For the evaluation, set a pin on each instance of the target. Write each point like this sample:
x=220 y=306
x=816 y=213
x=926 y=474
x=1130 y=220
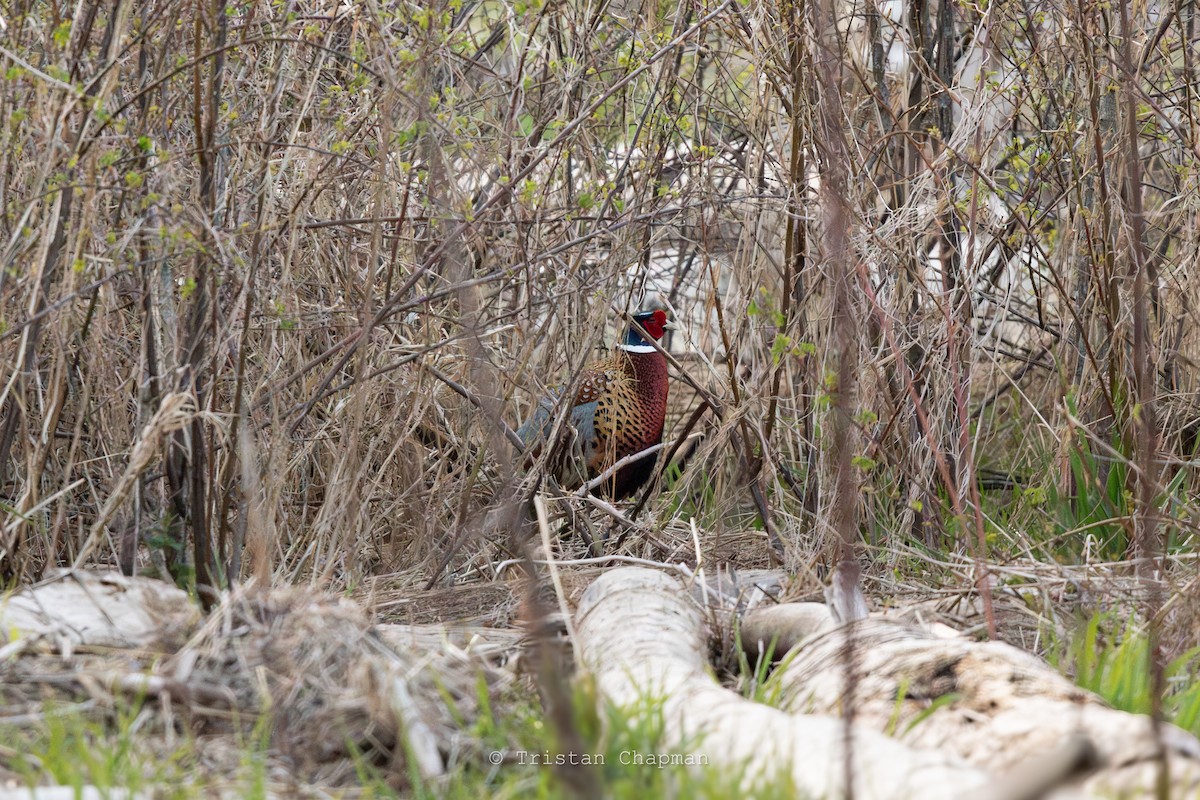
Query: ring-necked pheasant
x=619 y=410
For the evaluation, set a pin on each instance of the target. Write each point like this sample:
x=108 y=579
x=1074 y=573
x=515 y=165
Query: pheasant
x=619 y=410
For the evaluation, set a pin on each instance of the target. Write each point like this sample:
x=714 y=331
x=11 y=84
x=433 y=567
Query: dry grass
x=356 y=242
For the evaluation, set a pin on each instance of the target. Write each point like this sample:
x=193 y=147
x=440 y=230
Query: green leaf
x=62 y=34
x=864 y=463
x=938 y=703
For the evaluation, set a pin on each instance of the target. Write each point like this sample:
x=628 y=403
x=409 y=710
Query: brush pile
x=305 y=671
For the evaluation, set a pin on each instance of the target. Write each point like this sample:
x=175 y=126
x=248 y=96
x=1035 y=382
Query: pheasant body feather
x=618 y=410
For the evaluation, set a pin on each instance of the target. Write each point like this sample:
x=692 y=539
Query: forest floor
x=267 y=695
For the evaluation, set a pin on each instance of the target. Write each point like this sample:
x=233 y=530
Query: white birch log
x=781 y=627
x=994 y=706
x=641 y=637
x=74 y=607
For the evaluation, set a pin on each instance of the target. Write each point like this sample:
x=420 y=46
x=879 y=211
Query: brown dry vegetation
x=279 y=279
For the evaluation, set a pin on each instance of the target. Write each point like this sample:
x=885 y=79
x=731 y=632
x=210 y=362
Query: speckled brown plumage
x=630 y=390
x=619 y=410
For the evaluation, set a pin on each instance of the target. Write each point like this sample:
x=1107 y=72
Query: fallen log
x=988 y=703
x=641 y=637
x=76 y=608
x=781 y=627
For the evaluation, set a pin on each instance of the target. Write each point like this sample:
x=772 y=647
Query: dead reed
x=357 y=240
